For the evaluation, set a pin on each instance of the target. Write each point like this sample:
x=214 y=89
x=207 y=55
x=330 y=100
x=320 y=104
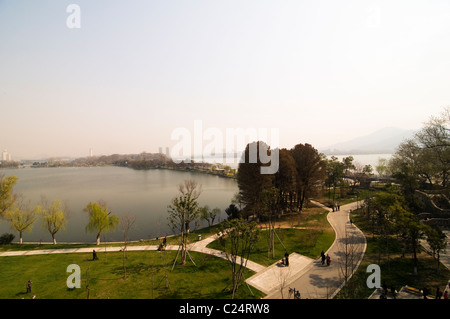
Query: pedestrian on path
x=328 y=260
x=322 y=255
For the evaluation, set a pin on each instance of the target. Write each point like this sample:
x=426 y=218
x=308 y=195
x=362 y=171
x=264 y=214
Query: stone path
x=317 y=281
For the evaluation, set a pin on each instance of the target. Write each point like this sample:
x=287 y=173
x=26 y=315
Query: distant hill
x=383 y=141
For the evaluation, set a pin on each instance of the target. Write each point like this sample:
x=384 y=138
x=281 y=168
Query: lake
x=142 y=193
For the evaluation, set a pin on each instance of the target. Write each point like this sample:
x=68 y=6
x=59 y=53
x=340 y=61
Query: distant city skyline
x=130 y=73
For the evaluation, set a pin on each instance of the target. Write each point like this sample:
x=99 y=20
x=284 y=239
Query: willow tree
x=100 y=221
x=22 y=216
x=54 y=217
x=7 y=198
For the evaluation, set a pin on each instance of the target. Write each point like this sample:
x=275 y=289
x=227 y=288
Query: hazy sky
x=319 y=71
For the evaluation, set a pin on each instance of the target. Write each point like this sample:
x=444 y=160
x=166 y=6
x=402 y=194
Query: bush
x=6 y=239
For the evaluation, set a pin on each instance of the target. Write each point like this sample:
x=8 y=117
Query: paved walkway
x=444 y=256
x=317 y=281
x=306 y=275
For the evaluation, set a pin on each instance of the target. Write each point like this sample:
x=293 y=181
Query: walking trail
x=310 y=277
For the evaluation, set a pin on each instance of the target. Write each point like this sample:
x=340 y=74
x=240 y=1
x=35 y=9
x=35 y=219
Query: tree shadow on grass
x=22 y=293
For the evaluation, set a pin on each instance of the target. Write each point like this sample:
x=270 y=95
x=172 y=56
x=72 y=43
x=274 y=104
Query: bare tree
x=347 y=260
x=126 y=224
x=237 y=240
x=183 y=210
x=283 y=275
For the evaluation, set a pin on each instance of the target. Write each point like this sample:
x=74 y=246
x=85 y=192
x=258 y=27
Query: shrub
x=6 y=239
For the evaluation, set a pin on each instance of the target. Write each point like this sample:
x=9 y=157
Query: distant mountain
x=383 y=141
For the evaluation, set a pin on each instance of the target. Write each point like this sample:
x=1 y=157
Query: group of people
x=326 y=258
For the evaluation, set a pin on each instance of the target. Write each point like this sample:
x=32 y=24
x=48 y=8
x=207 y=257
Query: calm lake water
x=142 y=193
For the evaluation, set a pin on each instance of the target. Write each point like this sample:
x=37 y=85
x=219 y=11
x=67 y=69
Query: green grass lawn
x=211 y=278
x=396 y=271
x=312 y=235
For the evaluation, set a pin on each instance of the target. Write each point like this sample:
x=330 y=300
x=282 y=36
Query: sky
x=318 y=72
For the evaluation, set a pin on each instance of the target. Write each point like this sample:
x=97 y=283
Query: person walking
x=328 y=260
x=29 y=282
x=322 y=255
x=94 y=255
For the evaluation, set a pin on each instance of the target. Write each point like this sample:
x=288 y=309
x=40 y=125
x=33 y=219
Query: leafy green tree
x=310 y=172
x=233 y=212
x=411 y=230
x=22 y=217
x=335 y=174
x=7 y=198
x=100 y=220
x=284 y=179
x=209 y=214
x=250 y=181
x=54 y=217
x=437 y=241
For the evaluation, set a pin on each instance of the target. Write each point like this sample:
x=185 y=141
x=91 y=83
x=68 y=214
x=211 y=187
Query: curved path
x=317 y=281
x=310 y=277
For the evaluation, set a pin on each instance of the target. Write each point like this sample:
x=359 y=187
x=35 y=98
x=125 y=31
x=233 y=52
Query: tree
x=53 y=217
x=7 y=198
x=284 y=179
x=310 y=171
x=382 y=167
x=100 y=221
x=434 y=139
x=126 y=224
x=183 y=210
x=412 y=230
x=335 y=174
x=423 y=161
x=250 y=181
x=270 y=210
x=437 y=241
x=22 y=217
x=209 y=214
x=233 y=212
x=238 y=240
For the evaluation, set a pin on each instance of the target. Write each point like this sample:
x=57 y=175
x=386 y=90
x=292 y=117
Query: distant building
x=160 y=150
x=167 y=152
x=6 y=157
x=91 y=152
